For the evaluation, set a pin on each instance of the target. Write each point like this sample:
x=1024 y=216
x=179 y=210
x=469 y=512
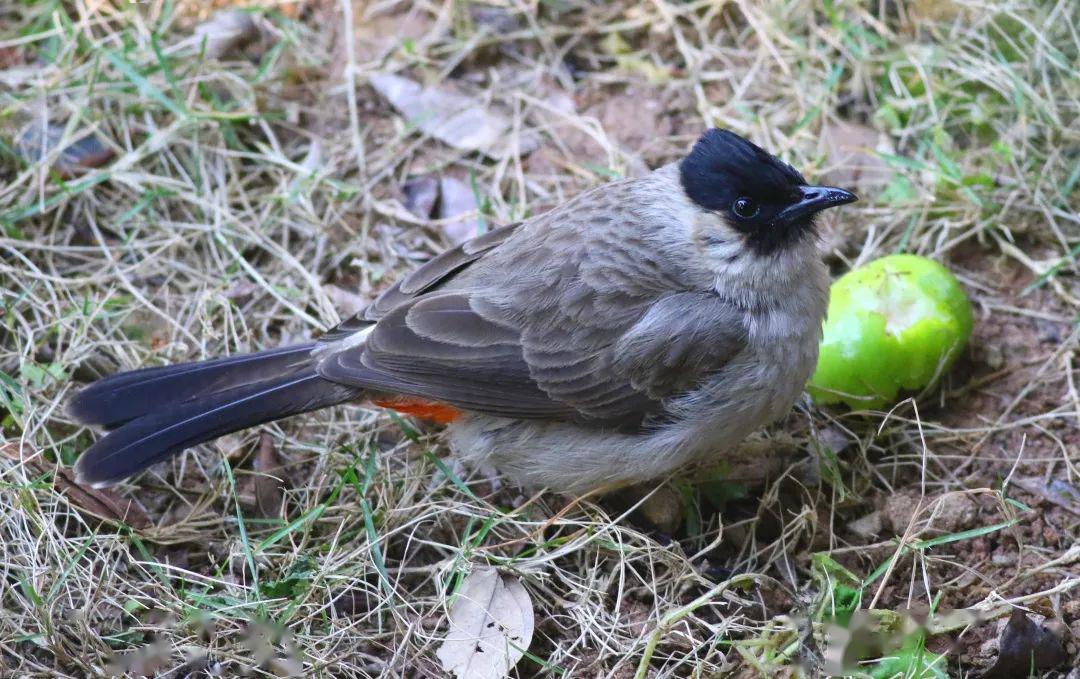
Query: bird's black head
x=761 y=196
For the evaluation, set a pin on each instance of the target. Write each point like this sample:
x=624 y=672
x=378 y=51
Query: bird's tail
x=157 y=412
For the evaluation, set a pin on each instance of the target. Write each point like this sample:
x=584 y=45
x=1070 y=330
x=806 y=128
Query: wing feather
x=549 y=330
x=428 y=277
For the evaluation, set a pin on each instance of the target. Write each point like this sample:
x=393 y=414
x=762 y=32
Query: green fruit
x=897 y=323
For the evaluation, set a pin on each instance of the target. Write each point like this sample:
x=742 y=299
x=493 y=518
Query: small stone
x=868 y=526
x=954 y=512
x=664 y=509
x=900 y=508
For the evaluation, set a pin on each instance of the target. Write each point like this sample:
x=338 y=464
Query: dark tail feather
x=172 y=428
x=112 y=401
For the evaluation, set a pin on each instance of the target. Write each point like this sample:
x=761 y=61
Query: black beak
x=814 y=199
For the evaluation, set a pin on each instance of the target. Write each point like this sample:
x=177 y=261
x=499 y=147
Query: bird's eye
x=745 y=208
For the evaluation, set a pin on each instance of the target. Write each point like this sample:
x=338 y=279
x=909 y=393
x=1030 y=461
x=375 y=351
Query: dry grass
x=241 y=187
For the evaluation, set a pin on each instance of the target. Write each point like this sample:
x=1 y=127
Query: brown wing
x=430 y=276
x=436 y=347
x=561 y=323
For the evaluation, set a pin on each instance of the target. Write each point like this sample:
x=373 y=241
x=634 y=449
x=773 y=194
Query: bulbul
x=643 y=325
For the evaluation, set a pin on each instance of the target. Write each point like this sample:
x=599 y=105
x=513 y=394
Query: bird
x=641 y=326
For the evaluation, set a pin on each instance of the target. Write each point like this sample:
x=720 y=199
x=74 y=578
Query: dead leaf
x=14 y=71
x=313 y=159
x=494 y=20
x=85 y=152
x=347 y=303
x=834 y=439
x=450 y=117
x=421 y=195
x=293 y=9
x=444 y=199
x=456 y=198
x=664 y=508
x=491 y=627
x=351 y=602
x=11 y=56
x=144 y=661
x=853 y=156
x=1054 y=491
x=1027 y=646
x=12 y=450
x=286 y=667
x=269 y=478
x=924 y=12
x=376 y=37
x=241 y=291
x=104 y=503
x=226 y=32
x=18 y=76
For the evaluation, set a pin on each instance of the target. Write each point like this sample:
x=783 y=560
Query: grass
x=241 y=186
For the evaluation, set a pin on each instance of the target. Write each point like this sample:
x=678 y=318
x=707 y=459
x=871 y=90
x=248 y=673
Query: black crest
x=723 y=166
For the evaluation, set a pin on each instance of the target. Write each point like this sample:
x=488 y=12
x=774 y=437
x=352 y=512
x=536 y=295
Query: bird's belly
x=708 y=422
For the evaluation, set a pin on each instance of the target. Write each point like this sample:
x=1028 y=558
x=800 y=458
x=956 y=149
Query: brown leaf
x=452 y=118
x=16 y=77
x=14 y=71
x=491 y=626
x=13 y=450
x=377 y=36
x=226 y=32
x=664 y=508
x=853 y=159
x=104 y=503
x=270 y=485
x=495 y=20
x=240 y=291
x=456 y=198
x=1055 y=491
x=293 y=9
x=286 y=667
x=86 y=152
x=1027 y=646
x=428 y=197
x=421 y=195
x=351 y=602
x=10 y=57
x=924 y=12
x=346 y=302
